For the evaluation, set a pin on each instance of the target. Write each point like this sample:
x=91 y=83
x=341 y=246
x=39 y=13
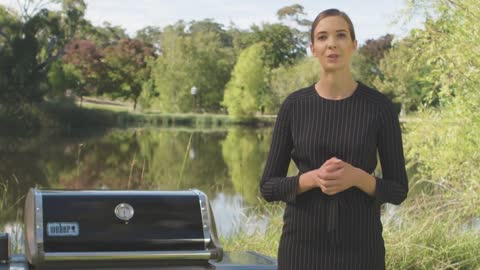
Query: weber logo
x=63 y=229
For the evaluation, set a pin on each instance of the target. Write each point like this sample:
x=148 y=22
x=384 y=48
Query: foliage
x=151 y=35
x=432 y=66
x=85 y=61
x=365 y=63
x=127 y=68
x=241 y=39
x=198 y=53
x=34 y=40
x=297 y=14
x=294 y=12
x=197 y=57
x=103 y=36
x=443 y=146
x=281 y=43
x=210 y=26
x=407 y=73
x=61 y=78
x=246 y=91
x=287 y=79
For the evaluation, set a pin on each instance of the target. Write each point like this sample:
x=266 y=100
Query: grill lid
x=103 y=225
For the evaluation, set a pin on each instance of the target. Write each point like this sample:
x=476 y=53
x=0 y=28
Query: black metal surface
x=167 y=222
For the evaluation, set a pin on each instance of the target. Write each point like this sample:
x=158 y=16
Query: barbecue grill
x=123 y=230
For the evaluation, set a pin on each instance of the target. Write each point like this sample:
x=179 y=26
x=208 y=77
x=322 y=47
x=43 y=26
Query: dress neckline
x=354 y=93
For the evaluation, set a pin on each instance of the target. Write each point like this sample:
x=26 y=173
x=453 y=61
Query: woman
x=333 y=130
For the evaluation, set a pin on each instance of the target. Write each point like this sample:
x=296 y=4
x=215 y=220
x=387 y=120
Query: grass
x=11 y=213
x=425 y=238
x=168 y=119
x=109 y=107
x=6 y=205
x=65 y=116
x=262 y=242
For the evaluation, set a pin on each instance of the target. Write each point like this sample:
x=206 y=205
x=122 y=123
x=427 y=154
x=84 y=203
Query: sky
x=371 y=18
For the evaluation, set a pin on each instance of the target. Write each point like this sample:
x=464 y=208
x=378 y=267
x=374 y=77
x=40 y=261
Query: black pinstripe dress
x=342 y=231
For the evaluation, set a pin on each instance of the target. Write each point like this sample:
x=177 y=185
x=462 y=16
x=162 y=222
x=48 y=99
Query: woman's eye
x=341 y=35
x=322 y=37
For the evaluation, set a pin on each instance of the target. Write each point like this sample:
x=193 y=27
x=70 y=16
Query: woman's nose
x=332 y=43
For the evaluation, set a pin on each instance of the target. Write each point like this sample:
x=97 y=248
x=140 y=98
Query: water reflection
x=472 y=225
x=232 y=216
x=225 y=164
x=245 y=154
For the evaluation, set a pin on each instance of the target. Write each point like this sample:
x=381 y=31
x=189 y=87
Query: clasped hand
x=332 y=177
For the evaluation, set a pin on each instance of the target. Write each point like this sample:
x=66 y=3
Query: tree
x=297 y=14
x=241 y=39
x=200 y=58
x=209 y=26
x=60 y=78
x=294 y=12
x=247 y=87
x=102 y=36
x=441 y=64
x=365 y=63
x=128 y=68
x=282 y=45
x=286 y=79
x=85 y=61
x=170 y=73
x=9 y=29
x=152 y=36
x=34 y=40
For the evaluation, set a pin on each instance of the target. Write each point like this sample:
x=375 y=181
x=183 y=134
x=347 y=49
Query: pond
x=224 y=163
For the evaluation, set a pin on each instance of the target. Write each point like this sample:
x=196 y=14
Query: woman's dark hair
x=328 y=13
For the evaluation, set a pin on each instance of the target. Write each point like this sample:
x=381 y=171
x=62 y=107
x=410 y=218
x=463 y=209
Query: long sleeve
x=393 y=186
x=274 y=185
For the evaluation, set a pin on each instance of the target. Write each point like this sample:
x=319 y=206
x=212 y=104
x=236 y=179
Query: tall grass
x=435 y=232
x=8 y=203
x=426 y=233
x=11 y=213
x=263 y=242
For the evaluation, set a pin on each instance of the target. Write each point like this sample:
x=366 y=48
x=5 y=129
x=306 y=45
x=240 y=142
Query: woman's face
x=332 y=44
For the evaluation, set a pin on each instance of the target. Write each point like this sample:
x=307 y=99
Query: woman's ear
x=312 y=49
x=355 y=44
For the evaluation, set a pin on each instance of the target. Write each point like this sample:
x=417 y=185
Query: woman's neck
x=336 y=85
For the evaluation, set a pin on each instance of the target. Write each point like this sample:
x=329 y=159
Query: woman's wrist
x=365 y=182
x=304 y=183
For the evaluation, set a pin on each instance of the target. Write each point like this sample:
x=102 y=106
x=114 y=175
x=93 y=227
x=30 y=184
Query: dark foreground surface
x=231 y=261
